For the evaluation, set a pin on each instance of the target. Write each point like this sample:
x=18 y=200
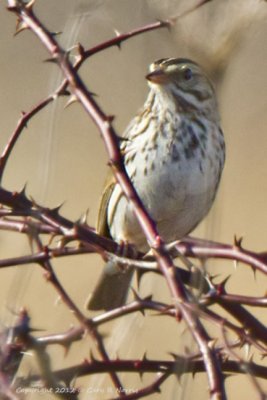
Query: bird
x=174 y=154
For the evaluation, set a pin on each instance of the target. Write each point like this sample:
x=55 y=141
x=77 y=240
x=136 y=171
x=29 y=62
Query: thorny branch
x=104 y=123
x=22 y=215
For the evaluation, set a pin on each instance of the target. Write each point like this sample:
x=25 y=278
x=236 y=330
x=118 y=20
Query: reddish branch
x=56 y=224
x=22 y=215
x=197 y=248
x=182 y=364
x=22 y=123
x=104 y=123
x=62 y=89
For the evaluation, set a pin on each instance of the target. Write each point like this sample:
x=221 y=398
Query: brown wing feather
x=102 y=223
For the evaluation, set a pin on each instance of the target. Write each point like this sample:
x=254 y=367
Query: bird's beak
x=157 y=76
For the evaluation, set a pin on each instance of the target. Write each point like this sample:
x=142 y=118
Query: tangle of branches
x=219 y=357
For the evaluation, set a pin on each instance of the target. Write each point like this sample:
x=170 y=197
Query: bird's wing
x=102 y=223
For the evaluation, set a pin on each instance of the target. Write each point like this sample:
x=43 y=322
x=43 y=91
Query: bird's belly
x=176 y=195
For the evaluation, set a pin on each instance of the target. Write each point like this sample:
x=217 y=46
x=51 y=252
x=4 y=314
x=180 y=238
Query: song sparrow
x=174 y=154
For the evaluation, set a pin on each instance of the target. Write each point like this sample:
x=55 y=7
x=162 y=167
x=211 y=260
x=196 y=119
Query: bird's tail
x=112 y=288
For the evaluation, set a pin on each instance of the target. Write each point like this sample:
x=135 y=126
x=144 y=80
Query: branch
x=104 y=123
x=62 y=88
x=86 y=323
x=203 y=249
x=179 y=366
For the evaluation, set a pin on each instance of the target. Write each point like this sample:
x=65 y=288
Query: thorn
x=55 y=211
x=122 y=139
x=157 y=389
x=30 y=4
x=193 y=373
x=56 y=33
x=83 y=218
x=212 y=343
x=36 y=205
x=22 y=115
x=139 y=275
x=173 y=355
x=140 y=299
x=148 y=298
x=135 y=294
x=211 y=286
x=86 y=361
x=254 y=272
x=178 y=375
x=144 y=358
x=117 y=34
x=63 y=92
x=48 y=277
x=69 y=50
x=16 y=196
x=168 y=23
x=137 y=366
x=235 y=264
x=72 y=99
x=22 y=193
x=220 y=288
x=118 y=44
x=58 y=301
x=180 y=366
x=81 y=50
x=55 y=96
x=51 y=60
x=238 y=241
x=93 y=94
x=137 y=298
x=66 y=347
x=92 y=357
x=110 y=118
x=213 y=277
x=20 y=26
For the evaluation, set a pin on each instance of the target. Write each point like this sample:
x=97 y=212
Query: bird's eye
x=187 y=74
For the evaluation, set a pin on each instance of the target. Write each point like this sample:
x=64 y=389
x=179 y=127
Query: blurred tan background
x=62 y=158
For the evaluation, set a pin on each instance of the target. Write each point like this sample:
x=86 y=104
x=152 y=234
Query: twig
x=22 y=123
